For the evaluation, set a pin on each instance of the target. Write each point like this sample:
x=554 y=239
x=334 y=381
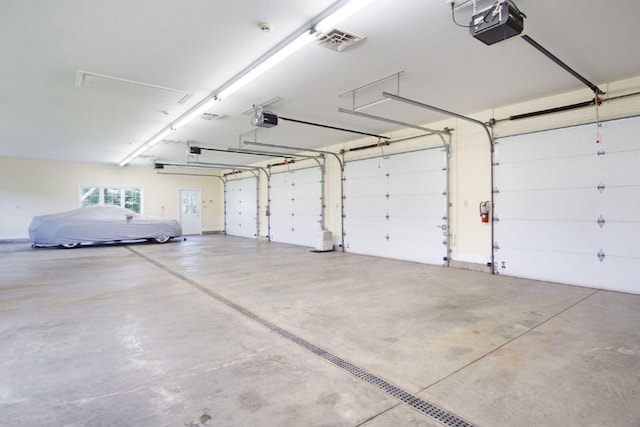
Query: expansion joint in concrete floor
x=443 y=416
x=506 y=343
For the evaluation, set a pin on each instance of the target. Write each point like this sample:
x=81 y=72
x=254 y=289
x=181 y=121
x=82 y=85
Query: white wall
x=31 y=187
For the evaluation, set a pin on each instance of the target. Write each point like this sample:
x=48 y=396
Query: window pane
x=189 y=203
x=89 y=196
x=132 y=199
x=112 y=196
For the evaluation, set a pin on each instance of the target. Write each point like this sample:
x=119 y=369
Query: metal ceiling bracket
x=395 y=122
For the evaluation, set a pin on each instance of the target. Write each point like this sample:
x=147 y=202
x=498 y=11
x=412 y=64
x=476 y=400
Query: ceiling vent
x=139 y=90
x=211 y=116
x=339 y=40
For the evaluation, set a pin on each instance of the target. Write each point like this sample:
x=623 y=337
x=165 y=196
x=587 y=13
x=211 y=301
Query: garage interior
x=415 y=213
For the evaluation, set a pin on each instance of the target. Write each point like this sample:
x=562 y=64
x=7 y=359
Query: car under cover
x=97 y=223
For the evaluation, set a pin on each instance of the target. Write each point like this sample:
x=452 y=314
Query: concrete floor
x=148 y=335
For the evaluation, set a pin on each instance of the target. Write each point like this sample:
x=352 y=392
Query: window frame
x=101 y=192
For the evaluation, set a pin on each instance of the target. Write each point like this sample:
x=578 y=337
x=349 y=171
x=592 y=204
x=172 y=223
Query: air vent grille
x=211 y=116
x=339 y=40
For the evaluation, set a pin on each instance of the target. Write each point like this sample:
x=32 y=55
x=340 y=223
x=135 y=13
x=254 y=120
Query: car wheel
x=162 y=239
x=70 y=245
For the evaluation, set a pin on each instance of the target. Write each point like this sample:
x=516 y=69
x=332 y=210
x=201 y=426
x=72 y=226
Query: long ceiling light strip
x=324 y=22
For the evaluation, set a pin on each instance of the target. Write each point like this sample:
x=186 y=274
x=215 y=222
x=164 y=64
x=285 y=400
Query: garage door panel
x=558 y=236
x=369 y=186
x=578 y=205
x=412 y=250
x=366 y=206
x=374 y=245
x=306 y=176
x=621 y=240
x=616 y=134
x=622 y=168
x=307 y=189
x=416 y=162
x=549 y=267
x=548 y=174
x=621 y=204
x=281 y=234
x=279 y=199
x=365 y=169
x=416 y=229
x=422 y=205
x=362 y=225
x=552 y=144
x=310 y=209
x=433 y=181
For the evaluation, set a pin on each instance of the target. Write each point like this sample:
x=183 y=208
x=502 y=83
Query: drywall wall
x=31 y=187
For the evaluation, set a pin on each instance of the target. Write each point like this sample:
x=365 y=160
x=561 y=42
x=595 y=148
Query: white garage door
x=296 y=206
x=241 y=207
x=396 y=206
x=567 y=206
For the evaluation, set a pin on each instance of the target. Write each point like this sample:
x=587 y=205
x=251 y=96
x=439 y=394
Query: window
x=130 y=198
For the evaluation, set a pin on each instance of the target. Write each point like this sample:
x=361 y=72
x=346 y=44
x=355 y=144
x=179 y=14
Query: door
x=296 y=206
x=190 y=211
x=241 y=207
x=396 y=206
x=567 y=203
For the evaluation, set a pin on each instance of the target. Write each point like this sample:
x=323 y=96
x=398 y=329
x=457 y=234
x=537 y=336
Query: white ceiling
x=196 y=46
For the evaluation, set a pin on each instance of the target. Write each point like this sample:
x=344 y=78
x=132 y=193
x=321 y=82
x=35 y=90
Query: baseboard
x=15 y=241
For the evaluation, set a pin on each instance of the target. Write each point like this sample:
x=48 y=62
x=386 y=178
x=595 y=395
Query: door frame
x=199 y=203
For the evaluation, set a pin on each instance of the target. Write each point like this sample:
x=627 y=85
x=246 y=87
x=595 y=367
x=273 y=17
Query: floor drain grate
x=415 y=402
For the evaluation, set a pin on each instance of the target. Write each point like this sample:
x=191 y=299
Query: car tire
x=70 y=245
x=162 y=239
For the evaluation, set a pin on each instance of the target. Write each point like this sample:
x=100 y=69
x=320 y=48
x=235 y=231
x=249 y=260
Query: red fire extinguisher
x=484 y=211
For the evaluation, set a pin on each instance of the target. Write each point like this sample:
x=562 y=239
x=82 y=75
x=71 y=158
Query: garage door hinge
x=601 y=255
x=387 y=237
x=601 y=153
x=601 y=221
x=601 y=187
x=496 y=246
x=496 y=191
x=387 y=216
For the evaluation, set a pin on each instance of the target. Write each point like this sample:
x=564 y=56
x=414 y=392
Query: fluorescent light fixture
x=346 y=11
x=144 y=147
x=253 y=71
x=267 y=64
x=194 y=113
